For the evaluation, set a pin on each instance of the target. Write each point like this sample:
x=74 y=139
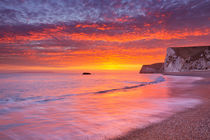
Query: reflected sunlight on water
x=73 y=106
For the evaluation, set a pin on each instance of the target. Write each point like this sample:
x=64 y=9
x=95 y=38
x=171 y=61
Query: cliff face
x=185 y=59
x=153 y=68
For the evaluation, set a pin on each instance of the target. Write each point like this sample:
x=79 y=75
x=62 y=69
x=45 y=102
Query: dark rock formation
x=185 y=59
x=86 y=73
x=153 y=68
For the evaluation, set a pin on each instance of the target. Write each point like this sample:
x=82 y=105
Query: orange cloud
x=127 y=37
x=137 y=34
x=33 y=36
x=95 y=26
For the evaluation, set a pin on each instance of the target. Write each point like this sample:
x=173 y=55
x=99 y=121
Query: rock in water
x=185 y=59
x=86 y=73
x=153 y=68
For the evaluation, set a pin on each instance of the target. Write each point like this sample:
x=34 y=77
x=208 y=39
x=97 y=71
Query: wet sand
x=192 y=124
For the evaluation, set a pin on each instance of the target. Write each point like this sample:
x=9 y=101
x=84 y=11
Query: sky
x=97 y=34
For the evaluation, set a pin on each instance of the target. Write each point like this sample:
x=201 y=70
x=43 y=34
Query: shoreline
x=193 y=123
x=194 y=73
x=183 y=125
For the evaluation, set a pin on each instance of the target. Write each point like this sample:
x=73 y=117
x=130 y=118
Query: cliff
x=153 y=68
x=185 y=59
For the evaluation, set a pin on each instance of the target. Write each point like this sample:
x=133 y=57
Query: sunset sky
x=97 y=34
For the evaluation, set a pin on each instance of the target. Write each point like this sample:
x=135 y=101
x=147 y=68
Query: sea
x=72 y=106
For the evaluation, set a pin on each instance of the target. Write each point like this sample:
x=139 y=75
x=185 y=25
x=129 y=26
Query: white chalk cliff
x=185 y=59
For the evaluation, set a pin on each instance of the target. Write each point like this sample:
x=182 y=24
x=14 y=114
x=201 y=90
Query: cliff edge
x=153 y=68
x=182 y=59
x=186 y=59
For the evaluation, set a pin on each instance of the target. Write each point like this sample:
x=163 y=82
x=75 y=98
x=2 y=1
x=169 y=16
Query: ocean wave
x=157 y=80
x=43 y=99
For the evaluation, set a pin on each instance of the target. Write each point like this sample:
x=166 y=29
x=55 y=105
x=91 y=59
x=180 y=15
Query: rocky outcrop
x=153 y=68
x=185 y=59
x=86 y=73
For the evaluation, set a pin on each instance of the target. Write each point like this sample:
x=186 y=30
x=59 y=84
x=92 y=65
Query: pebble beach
x=191 y=124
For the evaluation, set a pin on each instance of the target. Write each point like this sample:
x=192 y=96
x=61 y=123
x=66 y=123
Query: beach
x=191 y=124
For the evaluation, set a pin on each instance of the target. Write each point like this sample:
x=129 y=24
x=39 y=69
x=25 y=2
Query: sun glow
x=110 y=66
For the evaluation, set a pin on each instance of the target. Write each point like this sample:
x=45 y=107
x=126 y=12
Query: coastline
x=205 y=74
x=193 y=124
